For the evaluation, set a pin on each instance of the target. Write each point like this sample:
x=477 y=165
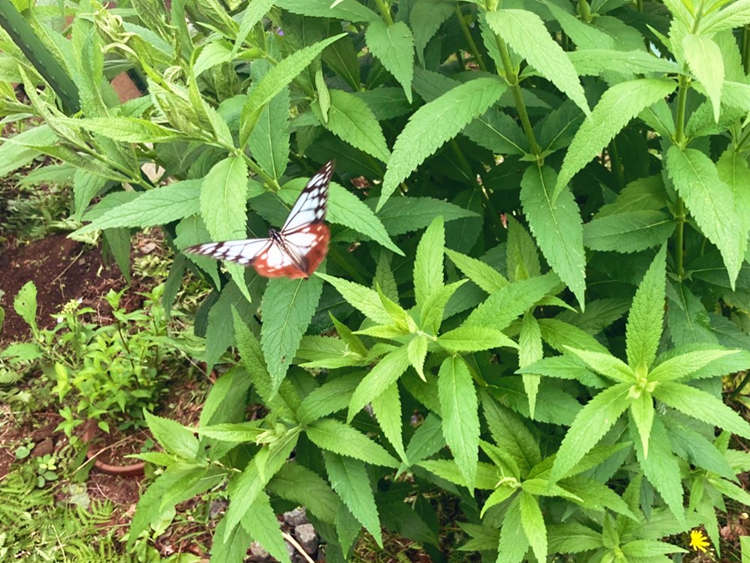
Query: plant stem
x=385 y=11
x=614 y=158
x=512 y=80
x=470 y=40
x=734 y=394
x=680 y=141
x=680 y=238
x=746 y=48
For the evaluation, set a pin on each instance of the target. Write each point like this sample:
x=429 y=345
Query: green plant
x=564 y=362
x=111 y=372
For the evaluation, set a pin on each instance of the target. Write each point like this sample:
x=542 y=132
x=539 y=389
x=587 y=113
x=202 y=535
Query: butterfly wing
x=277 y=262
x=309 y=245
x=311 y=204
x=297 y=250
x=244 y=252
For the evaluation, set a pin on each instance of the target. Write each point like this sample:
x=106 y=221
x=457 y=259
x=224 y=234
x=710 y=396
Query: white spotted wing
x=295 y=251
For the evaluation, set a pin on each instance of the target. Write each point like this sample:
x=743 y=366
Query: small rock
x=296 y=517
x=258 y=553
x=44 y=432
x=216 y=508
x=46 y=446
x=307 y=537
x=292 y=551
x=148 y=248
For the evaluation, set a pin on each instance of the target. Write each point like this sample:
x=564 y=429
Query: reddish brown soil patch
x=61 y=269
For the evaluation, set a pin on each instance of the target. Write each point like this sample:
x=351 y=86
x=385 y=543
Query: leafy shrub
x=110 y=372
x=569 y=352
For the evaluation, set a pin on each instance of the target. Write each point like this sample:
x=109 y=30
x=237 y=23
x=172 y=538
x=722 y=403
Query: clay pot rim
x=132 y=470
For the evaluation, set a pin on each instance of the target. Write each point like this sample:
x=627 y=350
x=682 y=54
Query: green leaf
x=352 y=120
x=513 y=541
x=292 y=304
x=606 y=364
x=227 y=396
x=556 y=227
x=615 y=109
x=564 y=367
x=533 y=525
x=211 y=54
x=349 y=10
x=172 y=436
x=269 y=141
x=661 y=468
x=704 y=58
x=711 y=202
x=734 y=171
x=251 y=483
x=154 y=207
x=646 y=319
x=337 y=437
x=393 y=45
x=260 y=522
x=474 y=339
x=296 y=483
x=683 y=365
x=503 y=306
x=428 y=129
x=360 y=297
x=481 y=273
x=642 y=410
x=16 y=151
x=329 y=398
x=735 y=14
x=275 y=81
x=497 y=132
x=559 y=334
x=345 y=208
x=591 y=423
x=86 y=186
x=223 y=203
x=234 y=548
x=253 y=14
x=426 y=17
x=407 y=214
x=233 y=433
x=510 y=433
x=426 y=441
x=125 y=129
x=428 y=265
x=526 y=33
x=628 y=232
x=701 y=405
x=573 y=537
x=381 y=377
x=24 y=304
x=458 y=401
x=592 y=62
x=521 y=254
x=529 y=351
x=417 y=352
x=387 y=409
x=349 y=479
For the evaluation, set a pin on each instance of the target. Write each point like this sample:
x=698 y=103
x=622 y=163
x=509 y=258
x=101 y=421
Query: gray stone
x=307 y=537
x=292 y=551
x=296 y=517
x=258 y=553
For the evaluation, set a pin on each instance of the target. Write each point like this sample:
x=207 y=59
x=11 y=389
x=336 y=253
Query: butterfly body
x=294 y=251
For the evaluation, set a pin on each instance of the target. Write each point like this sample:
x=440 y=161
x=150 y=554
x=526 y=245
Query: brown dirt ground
x=62 y=269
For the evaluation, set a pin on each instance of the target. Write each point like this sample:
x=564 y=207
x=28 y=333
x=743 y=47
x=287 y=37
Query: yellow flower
x=698 y=541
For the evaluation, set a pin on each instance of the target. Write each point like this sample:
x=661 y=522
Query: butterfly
x=297 y=249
